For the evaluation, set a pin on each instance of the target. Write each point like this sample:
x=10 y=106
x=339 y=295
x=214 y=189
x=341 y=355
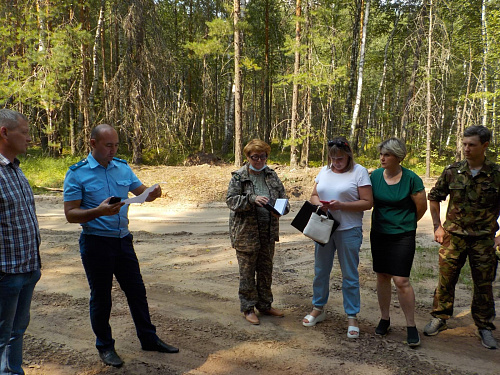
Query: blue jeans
x=103 y=257
x=347 y=244
x=16 y=291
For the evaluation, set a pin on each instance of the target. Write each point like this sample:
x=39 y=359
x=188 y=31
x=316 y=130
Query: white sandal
x=354 y=329
x=312 y=320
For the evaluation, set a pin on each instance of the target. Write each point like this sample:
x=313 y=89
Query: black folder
x=302 y=218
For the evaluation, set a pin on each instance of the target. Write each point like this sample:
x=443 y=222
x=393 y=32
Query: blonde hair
x=256 y=146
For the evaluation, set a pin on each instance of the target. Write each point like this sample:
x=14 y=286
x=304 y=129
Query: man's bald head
x=99 y=130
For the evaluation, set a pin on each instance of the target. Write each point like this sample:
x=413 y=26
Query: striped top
x=19 y=232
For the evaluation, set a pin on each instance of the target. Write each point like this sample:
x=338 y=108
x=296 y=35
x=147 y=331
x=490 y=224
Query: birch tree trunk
x=83 y=127
x=355 y=113
x=295 y=91
x=228 y=115
x=267 y=79
x=95 y=64
x=428 y=97
x=135 y=33
x=304 y=156
x=42 y=50
x=203 y=125
x=354 y=59
x=415 y=69
x=459 y=154
x=373 y=111
x=494 y=113
x=238 y=142
x=484 y=70
x=104 y=75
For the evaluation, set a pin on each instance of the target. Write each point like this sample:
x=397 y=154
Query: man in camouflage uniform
x=253 y=230
x=473 y=185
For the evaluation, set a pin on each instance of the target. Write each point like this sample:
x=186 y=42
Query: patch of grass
x=46 y=173
x=425 y=266
x=466 y=276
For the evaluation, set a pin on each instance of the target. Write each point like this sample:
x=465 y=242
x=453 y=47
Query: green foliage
x=165 y=156
x=45 y=172
x=219 y=32
x=249 y=64
x=179 y=62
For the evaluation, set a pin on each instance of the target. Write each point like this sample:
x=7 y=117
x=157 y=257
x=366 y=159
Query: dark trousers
x=103 y=257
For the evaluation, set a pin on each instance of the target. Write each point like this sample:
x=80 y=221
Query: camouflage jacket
x=243 y=224
x=474 y=203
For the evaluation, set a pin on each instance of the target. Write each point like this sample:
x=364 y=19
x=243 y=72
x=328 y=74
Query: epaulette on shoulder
x=120 y=160
x=81 y=163
x=457 y=164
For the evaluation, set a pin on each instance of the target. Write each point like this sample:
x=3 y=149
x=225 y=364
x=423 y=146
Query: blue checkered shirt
x=19 y=233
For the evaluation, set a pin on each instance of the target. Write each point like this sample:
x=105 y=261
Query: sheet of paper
x=141 y=198
x=280 y=205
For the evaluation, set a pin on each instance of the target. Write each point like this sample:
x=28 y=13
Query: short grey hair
x=394 y=146
x=10 y=119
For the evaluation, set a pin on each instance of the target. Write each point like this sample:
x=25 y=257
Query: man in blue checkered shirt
x=19 y=242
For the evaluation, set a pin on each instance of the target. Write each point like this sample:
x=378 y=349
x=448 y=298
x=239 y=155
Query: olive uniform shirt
x=474 y=203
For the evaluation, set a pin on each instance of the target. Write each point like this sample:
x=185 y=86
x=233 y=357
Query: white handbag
x=319 y=228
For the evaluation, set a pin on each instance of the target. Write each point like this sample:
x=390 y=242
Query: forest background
x=178 y=78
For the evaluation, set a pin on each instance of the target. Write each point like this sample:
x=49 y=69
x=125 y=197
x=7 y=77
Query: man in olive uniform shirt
x=473 y=186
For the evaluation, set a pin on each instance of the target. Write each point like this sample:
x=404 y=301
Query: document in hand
x=277 y=206
x=141 y=198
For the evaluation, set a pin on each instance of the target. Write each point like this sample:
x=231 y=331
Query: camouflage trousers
x=256 y=276
x=483 y=263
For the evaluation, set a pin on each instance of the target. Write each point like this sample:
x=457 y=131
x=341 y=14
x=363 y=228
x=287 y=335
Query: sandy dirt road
x=191 y=276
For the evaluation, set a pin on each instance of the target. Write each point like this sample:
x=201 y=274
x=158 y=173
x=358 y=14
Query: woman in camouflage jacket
x=254 y=230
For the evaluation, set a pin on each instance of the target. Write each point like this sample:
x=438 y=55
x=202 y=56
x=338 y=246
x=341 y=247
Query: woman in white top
x=343 y=188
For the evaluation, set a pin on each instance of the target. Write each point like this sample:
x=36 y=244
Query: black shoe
x=384 y=326
x=413 y=338
x=160 y=346
x=110 y=358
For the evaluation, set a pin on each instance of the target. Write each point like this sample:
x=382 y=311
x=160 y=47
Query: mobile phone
x=324 y=202
x=114 y=200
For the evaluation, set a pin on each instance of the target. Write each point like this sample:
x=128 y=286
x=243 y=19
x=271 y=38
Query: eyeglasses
x=258 y=157
x=339 y=143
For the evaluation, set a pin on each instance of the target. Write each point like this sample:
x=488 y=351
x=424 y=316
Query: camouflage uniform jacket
x=474 y=203
x=243 y=224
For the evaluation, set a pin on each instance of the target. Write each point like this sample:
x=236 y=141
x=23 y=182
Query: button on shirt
x=19 y=233
x=91 y=183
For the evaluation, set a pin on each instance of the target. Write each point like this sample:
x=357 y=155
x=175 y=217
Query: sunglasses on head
x=338 y=143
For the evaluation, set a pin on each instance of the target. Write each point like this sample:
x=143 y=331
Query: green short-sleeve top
x=393 y=209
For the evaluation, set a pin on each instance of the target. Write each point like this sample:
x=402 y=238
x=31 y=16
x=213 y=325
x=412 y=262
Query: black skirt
x=393 y=253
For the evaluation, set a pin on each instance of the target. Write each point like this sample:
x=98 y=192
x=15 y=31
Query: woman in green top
x=399 y=202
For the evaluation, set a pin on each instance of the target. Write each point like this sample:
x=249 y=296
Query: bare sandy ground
x=191 y=276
